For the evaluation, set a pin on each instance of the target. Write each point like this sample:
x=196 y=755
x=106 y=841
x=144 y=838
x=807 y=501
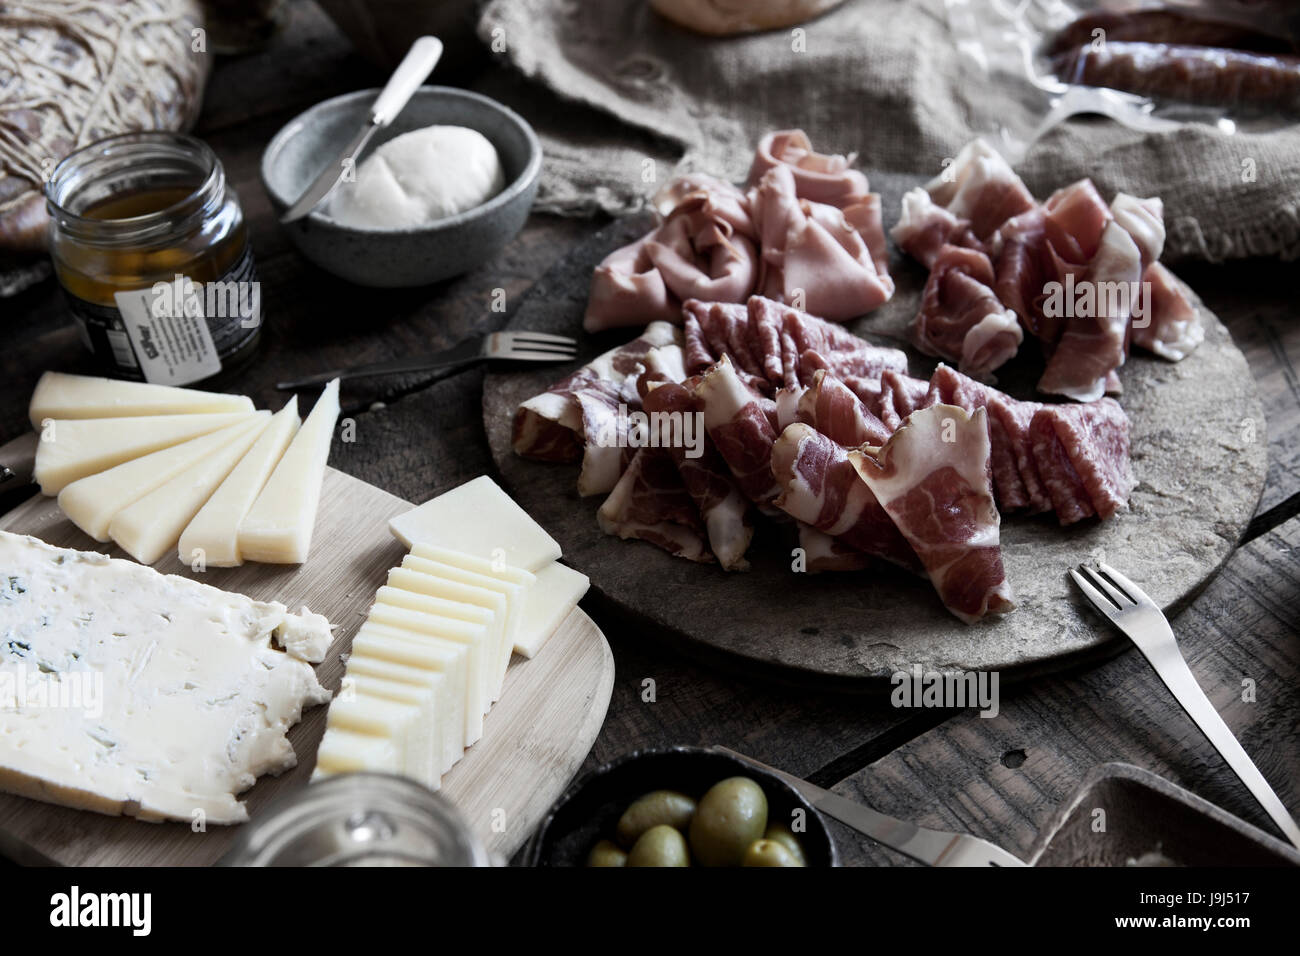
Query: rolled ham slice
x=650 y=503
x=738 y=424
x=818 y=177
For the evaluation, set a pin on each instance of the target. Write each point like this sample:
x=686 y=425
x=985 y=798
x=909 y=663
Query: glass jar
x=150 y=246
x=359 y=819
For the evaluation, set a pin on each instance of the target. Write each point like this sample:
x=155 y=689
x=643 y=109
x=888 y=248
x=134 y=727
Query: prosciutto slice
x=818 y=177
x=932 y=479
x=821 y=552
x=961 y=318
x=924 y=228
x=981 y=188
x=820 y=487
x=1173 y=329
x=650 y=502
x=725 y=511
x=738 y=424
x=832 y=408
x=577 y=417
x=1082 y=454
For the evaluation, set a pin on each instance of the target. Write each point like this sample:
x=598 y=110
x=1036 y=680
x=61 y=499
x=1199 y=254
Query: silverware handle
x=467 y=353
x=1182 y=683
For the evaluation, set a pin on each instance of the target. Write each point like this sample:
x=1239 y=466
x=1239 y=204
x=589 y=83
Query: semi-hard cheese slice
x=450 y=661
x=149 y=527
x=213 y=535
x=343 y=751
x=92 y=502
x=60 y=395
x=470 y=567
x=472 y=636
x=547 y=603
x=429 y=689
x=278 y=527
x=389 y=719
x=423 y=742
x=69 y=450
x=480 y=519
x=131 y=692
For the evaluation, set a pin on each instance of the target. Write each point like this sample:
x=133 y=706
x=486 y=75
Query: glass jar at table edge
x=358 y=819
x=133 y=211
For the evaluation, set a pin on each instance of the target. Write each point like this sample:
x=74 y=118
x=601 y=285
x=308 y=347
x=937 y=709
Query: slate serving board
x=1199 y=455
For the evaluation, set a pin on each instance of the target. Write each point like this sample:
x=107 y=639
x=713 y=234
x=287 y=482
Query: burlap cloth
x=881 y=78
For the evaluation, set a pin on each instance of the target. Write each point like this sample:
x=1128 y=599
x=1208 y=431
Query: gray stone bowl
x=391 y=258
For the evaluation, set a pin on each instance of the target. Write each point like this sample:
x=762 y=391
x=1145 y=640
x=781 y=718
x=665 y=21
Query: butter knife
x=406 y=79
x=931 y=847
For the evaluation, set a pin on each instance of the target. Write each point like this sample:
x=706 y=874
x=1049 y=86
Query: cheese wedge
x=510 y=593
x=444 y=660
x=92 y=502
x=215 y=529
x=424 y=740
x=278 y=527
x=480 y=519
x=472 y=636
x=420 y=587
x=389 y=719
x=69 y=450
x=150 y=526
x=343 y=751
x=60 y=395
x=467 y=567
x=546 y=604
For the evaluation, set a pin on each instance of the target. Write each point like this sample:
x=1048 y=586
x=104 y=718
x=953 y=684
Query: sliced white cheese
x=467 y=567
x=480 y=519
x=509 y=592
x=69 y=450
x=60 y=395
x=92 y=502
x=424 y=740
x=150 y=526
x=390 y=719
x=472 y=636
x=432 y=687
x=213 y=535
x=278 y=527
x=344 y=751
x=440 y=658
x=547 y=603
x=159 y=697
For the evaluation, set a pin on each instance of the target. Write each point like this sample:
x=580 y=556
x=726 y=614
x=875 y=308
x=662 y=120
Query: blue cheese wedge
x=130 y=692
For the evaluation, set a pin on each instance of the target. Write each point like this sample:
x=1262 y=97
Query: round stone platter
x=1198 y=453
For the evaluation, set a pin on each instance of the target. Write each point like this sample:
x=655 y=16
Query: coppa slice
x=407 y=687
x=70 y=450
x=279 y=525
x=480 y=519
x=150 y=526
x=60 y=395
x=215 y=529
x=932 y=477
x=440 y=659
x=547 y=603
x=92 y=502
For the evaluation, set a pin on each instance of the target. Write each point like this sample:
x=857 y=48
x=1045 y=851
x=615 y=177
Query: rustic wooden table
x=998 y=778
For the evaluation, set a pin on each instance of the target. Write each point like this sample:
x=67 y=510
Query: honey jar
x=150 y=246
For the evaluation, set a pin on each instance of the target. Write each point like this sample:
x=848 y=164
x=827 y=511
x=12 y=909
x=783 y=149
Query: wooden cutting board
x=1199 y=455
x=533 y=741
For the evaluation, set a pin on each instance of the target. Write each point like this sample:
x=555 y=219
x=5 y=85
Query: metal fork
x=506 y=346
x=1130 y=610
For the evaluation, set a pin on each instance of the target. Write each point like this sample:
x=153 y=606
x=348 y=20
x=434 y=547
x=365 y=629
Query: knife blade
x=406 y=79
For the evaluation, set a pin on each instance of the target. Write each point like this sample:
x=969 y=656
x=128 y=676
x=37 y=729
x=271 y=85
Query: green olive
x=660 y=846
x=666 y=807
x=782 y=834
x=731 y=816
x=606 y=853
x=769 y=853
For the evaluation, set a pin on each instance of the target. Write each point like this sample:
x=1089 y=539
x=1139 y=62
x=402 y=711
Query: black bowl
x=590 y=808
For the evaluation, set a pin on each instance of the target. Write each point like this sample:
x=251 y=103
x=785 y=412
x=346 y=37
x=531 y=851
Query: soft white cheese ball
x=420 y=177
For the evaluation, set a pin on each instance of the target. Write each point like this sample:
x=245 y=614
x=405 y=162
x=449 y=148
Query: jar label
x=170 y=339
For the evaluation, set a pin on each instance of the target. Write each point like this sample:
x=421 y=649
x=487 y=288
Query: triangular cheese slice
x=92 y=502
x=150 y=526
x=278 y=528
x=69 y=450
x=60 y=395
x=215 y=529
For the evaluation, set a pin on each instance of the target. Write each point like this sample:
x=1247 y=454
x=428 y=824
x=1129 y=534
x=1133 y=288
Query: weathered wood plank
x=1001 y=778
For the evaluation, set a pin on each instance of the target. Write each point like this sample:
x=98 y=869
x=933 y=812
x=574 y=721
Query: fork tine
x=544 y=337
x=1135 y=593
x=1098 y=600
x=527 y=355
x=1115 y=594
x=566 y=350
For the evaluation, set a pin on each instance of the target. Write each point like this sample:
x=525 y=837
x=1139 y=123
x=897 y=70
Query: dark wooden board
x=1199 y=455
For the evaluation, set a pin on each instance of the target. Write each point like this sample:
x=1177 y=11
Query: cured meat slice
x=650 y=503
x=814 y=255
x=932 y=478
x=1173 y=329
x=819 y=177
x=961 y=318
x=982 y=188
x=821 y=552
x=899 y=396
x=715 y=329
x=738 y=423
x=577 y=417
x=832 y=408
x=1082 y=454
x=725 y=511
x=820 y=487
x=924 y=228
